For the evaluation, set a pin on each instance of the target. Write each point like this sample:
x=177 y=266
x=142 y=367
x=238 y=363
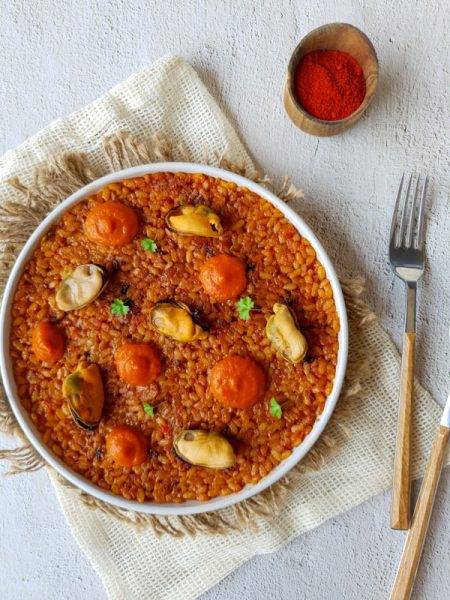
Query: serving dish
x=188 y=507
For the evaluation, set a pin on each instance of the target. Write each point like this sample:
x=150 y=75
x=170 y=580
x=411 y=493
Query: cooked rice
x=282 y=267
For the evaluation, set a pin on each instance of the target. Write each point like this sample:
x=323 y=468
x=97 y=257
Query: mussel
x=194 y=219
x=81 y=287
x=283 y=331
x=83 y=390
x=175 y=320
x=204 y=449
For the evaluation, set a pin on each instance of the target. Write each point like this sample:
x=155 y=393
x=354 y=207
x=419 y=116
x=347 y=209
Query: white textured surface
x=56 y=58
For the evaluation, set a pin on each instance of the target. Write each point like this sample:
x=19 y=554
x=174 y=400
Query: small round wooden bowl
x=334 y=36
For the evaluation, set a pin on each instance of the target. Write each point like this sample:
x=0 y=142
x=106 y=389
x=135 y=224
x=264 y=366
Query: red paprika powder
x=330 y=84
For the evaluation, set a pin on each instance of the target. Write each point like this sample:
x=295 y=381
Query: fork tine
x=401 y=233
x=412 y=214
x=395 y=213
x=421 y=218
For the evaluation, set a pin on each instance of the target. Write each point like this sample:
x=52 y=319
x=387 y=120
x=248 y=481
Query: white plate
x=191 y=507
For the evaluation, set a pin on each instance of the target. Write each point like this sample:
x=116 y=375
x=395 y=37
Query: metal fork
x=407 y=258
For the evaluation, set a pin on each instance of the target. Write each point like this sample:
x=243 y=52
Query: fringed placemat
x=353 y=459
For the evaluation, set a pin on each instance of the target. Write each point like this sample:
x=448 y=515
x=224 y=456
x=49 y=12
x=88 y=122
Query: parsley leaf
x=149 y=245
x=244 y=306
x=150 y=410
x=120 y=307
x=275 y=408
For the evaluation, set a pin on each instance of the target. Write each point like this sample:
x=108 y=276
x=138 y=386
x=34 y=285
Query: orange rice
x=281 y=267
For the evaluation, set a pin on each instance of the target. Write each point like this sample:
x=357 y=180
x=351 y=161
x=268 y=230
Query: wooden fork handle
x=412 y=551
x=401 y=487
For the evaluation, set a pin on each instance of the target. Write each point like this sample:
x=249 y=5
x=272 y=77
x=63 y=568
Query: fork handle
x=412 y=551
x=401 y=489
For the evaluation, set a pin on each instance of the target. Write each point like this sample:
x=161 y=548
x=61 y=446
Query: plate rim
x=189 y=507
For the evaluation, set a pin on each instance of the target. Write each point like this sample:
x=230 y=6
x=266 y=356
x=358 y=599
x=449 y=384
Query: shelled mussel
x=204 y=449
x=175 y=320
x=81 y=287
x=283 y=331
x=194 y=219
x=83 y=390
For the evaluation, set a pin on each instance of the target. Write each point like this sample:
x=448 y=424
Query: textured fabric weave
x=169 y=97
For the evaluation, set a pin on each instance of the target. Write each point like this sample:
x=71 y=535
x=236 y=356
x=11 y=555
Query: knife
x=412 y=551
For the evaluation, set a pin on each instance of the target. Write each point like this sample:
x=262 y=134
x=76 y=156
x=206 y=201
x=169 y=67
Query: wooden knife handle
x=412 y=551
x=401 y=487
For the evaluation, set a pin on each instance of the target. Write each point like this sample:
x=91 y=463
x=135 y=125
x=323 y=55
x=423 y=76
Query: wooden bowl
x=334 y=36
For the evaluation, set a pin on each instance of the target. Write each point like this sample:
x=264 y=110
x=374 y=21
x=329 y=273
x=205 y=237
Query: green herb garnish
x=149 y=409
x=119 y=307
x=149 y=245
x=275 y=409
x=245 y=306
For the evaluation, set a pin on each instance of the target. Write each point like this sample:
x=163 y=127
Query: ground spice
x=330 y=84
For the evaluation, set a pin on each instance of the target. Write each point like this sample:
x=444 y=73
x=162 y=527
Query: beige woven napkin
x=168 y=96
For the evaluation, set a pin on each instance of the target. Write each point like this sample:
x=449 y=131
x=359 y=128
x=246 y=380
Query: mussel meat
x=204 y=449
x=175 y=320
x=194 y=219
x=85 y=396
x=81 y=287
x=283 y=331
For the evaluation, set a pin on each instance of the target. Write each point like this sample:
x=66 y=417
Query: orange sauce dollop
x=111 y=224
x=223 y=277
x=138 y=363
x=237 y=381
x=48 y=342
x=126 y=446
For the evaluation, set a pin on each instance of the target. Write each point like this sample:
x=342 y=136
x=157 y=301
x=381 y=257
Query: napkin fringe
x=55 y=180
